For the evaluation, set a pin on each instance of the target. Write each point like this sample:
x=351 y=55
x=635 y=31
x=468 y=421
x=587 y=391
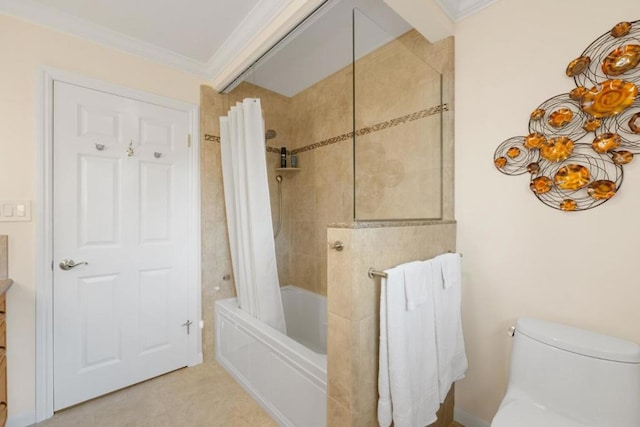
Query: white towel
x=416 y=284
x=451 y=269
x=452 y=358
x=408 y=370
x=385 y=415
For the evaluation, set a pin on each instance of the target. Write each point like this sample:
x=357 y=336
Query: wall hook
x=130 y=149
x=99 y=147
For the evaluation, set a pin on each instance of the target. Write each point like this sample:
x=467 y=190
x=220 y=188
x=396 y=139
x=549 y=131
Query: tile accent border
x=359 y=132
x=375 y=128
x=386 y=224
x=216 y=138
x=274 y=150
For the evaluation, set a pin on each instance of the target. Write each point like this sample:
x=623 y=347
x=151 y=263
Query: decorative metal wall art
x=579 y=141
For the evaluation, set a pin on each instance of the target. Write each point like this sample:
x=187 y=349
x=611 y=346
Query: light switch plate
x=15 y=210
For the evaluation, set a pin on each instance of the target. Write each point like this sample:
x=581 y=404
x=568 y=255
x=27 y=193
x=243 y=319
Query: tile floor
x=202 y=396
x=205 y=395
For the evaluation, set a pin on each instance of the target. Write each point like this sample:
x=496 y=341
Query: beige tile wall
x=400 y=163
x=395 y=80
x=322 y=193
x=397 y=165
x=353 y=310
x=216 y=260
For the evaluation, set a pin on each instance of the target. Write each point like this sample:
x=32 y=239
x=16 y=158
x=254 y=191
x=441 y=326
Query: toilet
x=563 y=376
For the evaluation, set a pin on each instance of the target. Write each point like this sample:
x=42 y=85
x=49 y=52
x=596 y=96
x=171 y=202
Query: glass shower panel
x=397 y=124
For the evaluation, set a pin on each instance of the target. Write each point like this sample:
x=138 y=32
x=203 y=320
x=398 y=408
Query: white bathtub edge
x=303 y=363
x=467 y=419
x=314 y=364
x=275 y=414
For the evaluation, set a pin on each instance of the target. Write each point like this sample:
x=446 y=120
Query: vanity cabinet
x=3 y=359
x=5 y=284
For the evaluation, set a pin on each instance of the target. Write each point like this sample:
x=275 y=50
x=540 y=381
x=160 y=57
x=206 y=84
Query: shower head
x=270 y=134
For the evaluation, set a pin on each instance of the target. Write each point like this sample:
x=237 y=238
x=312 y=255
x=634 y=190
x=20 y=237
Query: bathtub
x=286 y=375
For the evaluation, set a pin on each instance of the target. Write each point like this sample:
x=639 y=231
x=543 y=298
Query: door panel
x=94 y=121
x=156 y=132
x=100 y=337
x=121 y=204
x=154 y=304
x=155 y=203
x=100 y=195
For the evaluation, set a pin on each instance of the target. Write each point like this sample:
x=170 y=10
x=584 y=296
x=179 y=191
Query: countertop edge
x=5 y=284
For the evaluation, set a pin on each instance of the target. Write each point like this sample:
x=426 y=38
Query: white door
x=120 y=197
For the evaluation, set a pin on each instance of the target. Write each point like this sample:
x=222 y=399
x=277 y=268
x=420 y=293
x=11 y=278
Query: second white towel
x=408 y=370
x=447 y=300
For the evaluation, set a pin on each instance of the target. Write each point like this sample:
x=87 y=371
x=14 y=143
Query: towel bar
x=373 y=273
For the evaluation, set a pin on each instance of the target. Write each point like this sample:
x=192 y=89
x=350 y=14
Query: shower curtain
x=246 y=194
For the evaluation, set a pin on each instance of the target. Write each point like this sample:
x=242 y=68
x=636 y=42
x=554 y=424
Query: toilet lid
x=522 y=413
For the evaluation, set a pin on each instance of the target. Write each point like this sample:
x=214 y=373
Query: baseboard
x=21 y=420
x=468 y=420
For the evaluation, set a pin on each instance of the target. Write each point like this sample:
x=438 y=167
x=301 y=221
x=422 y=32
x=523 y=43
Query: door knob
x=68 y=264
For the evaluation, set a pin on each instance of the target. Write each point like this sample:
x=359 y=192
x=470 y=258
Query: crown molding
x=457 y=11
x=450 y=7
x=266 y=23
x=426 y=16
x=262 y=28
x=46 y=16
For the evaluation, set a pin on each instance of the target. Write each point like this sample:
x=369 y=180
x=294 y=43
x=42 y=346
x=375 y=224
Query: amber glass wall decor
x=579 y=141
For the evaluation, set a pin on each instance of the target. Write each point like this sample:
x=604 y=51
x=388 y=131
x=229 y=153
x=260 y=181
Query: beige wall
x=24 y=47
x=522 y=258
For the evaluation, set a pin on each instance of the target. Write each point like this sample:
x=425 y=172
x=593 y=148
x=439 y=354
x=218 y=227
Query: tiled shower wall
x=322 y=192
x=316 y=125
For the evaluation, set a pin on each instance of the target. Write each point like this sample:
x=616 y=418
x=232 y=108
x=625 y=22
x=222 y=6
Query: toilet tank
x=588 y=377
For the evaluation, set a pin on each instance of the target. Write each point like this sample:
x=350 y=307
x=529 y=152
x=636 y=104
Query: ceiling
x=195 y=32
x=324 y=45
x=203 y=37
